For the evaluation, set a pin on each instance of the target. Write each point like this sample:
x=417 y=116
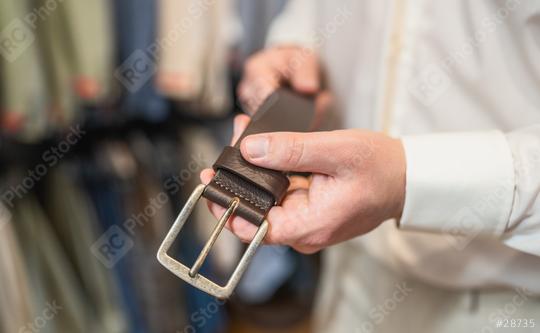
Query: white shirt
x=459 y=81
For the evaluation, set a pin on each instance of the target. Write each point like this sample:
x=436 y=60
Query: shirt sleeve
x=474 y=183
x=295 y=25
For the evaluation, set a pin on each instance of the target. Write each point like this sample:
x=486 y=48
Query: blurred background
x=109 y=109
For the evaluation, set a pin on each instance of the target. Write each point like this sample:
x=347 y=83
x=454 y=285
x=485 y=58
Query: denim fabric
x=135 y=28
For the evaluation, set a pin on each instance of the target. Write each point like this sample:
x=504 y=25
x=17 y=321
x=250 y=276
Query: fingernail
x=256 y=146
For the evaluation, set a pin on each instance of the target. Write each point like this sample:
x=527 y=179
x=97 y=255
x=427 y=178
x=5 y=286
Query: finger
x=206 y=176
x=298 y=182
x=323 y=103
x=240 y=227
x=256 y=85
x=289 y=151
x=306 y=249
x=287 y=224
x=243 y=229
x=253 y=95
x=240 y=123
x=284 y=225
x=304 y=68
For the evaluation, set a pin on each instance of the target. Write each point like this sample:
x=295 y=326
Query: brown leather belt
x=246 y=190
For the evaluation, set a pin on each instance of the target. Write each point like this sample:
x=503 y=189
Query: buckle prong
x=213 y=237
x=191 y=275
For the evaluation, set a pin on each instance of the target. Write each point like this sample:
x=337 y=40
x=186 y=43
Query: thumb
x=291 y=151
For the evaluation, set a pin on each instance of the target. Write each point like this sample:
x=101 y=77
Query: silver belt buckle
x=191 y=275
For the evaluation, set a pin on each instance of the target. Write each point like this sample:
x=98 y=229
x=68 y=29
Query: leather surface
x=274 y=182
x=258 y=188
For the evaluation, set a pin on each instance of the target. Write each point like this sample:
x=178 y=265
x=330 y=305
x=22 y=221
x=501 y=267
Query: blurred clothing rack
x=85 y=151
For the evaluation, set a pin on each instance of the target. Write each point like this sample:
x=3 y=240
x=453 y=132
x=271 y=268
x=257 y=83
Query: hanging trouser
x=75 y=221
x=54 y=283
x=22 y=87
x=15 y=295
x=135 y=27
x=193 y=41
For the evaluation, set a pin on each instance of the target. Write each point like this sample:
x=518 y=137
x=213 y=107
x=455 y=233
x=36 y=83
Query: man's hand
x=274 y=67
x=358 y=182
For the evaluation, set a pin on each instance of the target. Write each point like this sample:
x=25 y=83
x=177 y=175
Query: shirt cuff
x=458 y=183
